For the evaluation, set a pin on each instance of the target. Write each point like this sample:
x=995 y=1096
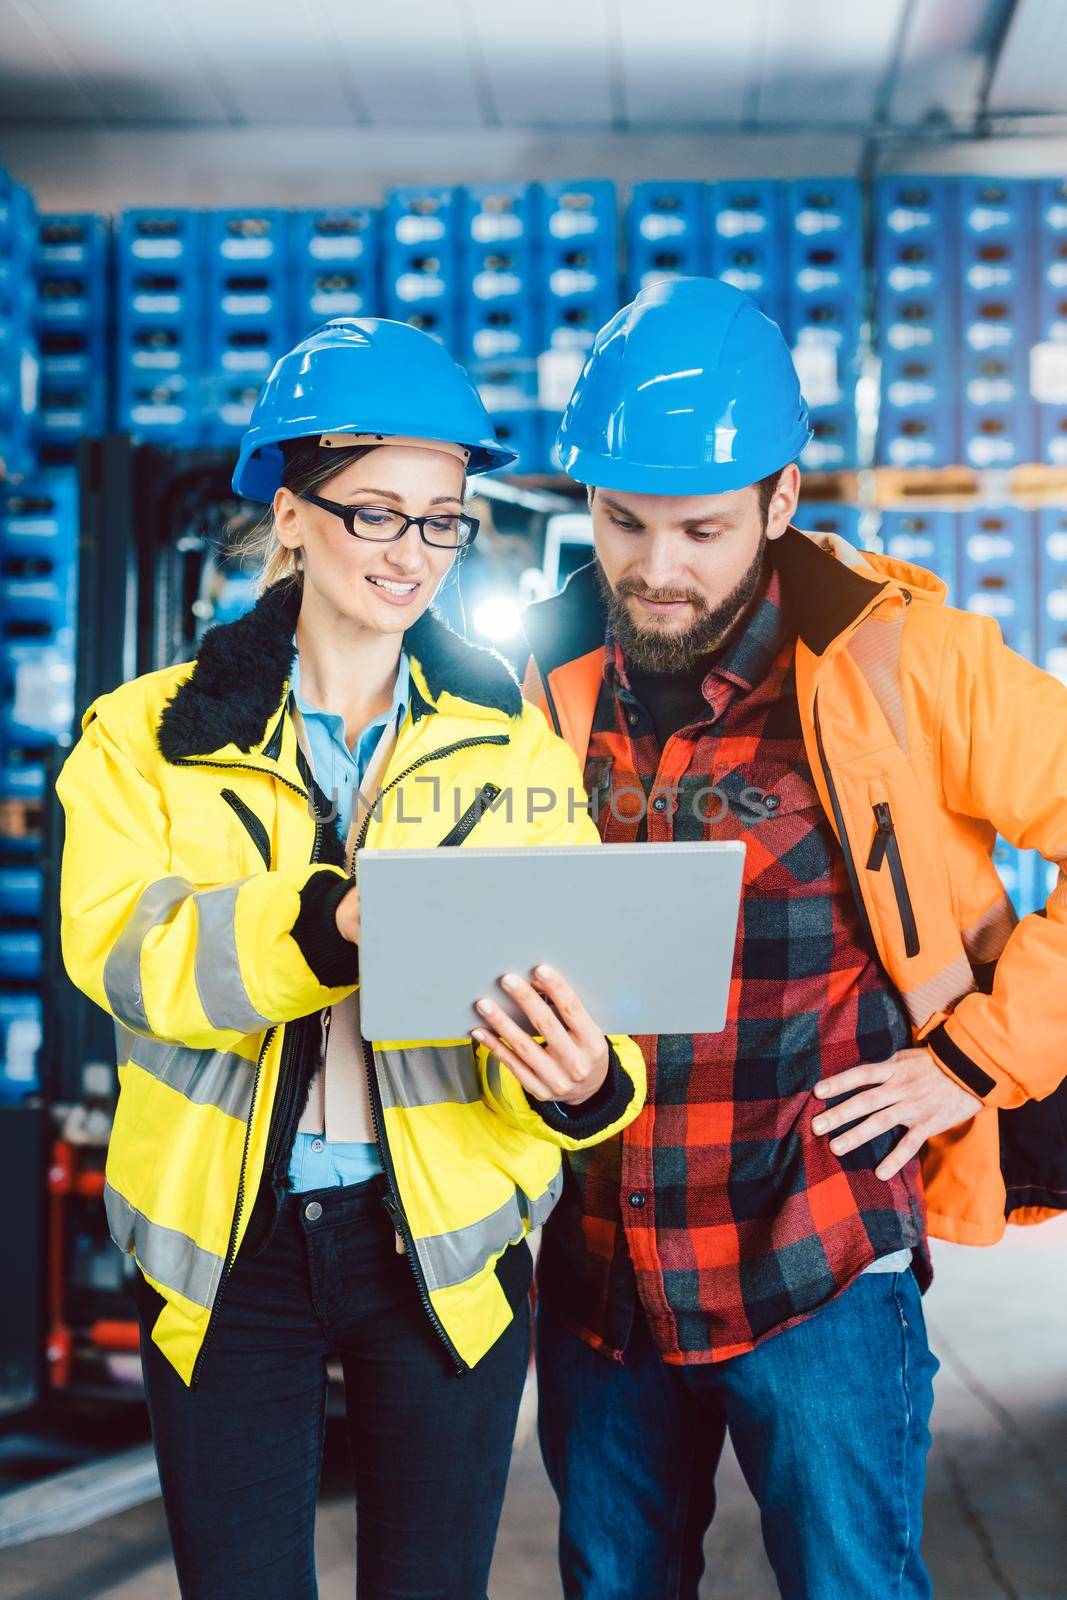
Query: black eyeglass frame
x=347 y=515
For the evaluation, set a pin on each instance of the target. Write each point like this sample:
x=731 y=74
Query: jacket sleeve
x=199 y=964
x=555 y=812
x=1002 y=756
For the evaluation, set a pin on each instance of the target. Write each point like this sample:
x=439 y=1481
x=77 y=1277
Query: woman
x=290 y=1194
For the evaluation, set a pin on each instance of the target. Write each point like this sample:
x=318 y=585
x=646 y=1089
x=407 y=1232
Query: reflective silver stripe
x=170 y=1257
x=986 y=938
x=940 y=991
x=122 y=970
x=451 y=1258
x=429 y=1075
x=216 y=966
x=875 y=648
x=216 y=1078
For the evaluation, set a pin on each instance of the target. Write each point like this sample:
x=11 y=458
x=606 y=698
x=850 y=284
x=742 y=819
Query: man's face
x=678 y=571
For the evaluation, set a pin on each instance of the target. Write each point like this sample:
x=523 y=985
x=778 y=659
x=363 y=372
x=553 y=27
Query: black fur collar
x=241 y=669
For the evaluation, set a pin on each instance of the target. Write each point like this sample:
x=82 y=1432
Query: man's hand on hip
x=908 y=1091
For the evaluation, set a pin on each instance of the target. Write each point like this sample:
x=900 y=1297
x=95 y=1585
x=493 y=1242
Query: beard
x=666 y=649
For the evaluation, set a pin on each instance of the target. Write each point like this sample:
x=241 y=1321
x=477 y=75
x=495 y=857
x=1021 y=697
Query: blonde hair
x=308 y=467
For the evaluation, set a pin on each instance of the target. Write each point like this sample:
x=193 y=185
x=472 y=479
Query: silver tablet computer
x=644 y=932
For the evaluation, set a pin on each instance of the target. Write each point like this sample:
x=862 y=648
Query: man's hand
x=572 y=1063
x=346 y=916
x=909 y=1090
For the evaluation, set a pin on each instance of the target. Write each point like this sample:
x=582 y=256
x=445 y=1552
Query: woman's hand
x=346 y=915
x=908 y=1091
x=572 y=1063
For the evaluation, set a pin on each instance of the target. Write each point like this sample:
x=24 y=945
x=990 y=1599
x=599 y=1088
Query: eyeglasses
x=380 y=525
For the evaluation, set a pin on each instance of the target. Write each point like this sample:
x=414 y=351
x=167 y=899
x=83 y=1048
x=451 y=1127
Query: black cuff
x=596 y=1113
x=332 y=958
x=956 y=1060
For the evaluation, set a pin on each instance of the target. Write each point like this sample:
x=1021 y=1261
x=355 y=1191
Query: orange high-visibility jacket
x=909 y=702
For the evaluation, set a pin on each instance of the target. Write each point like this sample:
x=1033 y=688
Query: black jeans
x=240 y=1456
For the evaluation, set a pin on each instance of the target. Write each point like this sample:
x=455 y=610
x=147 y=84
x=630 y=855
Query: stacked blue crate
x=1052 y=591
x=1048 y=363
x=498 y=317
x=828 y=516
x=73 y=270
x=915 y=313
x=996 y=321
x=579 y=288
x=246 y=314
x=19 y=366
x=159 y=326
x=419 y=260
x=38 y=575
x=824 y=311
x=997 y=573
x=666 y=233
x=333 y=267
x=925 y=537
x=746 y=240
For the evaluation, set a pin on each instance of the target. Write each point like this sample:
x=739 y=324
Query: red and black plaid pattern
x=719 y=1208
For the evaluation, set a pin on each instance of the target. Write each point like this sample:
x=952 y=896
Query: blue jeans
x=829 y=1421
x=239 y=1456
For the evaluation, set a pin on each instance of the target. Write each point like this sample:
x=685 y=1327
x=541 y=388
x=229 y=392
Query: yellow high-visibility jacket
x=198 y=908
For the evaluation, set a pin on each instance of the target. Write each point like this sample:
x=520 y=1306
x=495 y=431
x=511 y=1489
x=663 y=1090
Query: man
x=749 y=1256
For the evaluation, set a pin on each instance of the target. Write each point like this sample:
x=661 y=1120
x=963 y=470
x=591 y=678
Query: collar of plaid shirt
x=719 y=1210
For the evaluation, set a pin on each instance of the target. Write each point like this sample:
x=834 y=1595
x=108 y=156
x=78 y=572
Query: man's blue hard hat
x=688 y=390
x=365 y=376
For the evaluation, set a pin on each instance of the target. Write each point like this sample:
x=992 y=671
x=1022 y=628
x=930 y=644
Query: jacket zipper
x=842 y=834
x=472 y=816
x=252 y=823
x=285 y=1092
x=886 y=847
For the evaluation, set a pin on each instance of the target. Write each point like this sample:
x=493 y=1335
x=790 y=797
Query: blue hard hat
x=364 y=375
x=688 y=390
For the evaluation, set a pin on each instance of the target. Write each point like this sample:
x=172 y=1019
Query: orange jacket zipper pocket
x=885 y=850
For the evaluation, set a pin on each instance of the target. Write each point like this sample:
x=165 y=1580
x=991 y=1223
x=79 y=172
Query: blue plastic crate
x=334 y=266
x=20 y=955
x=159 y=269
x=994 y=436
x=827 y=516
x=1052 y=591
x=997 y=571
x=77 y=354
x=74 y=241
x=501 y=330
x=994 y=208
x=579 y=211
x=69 y=409
x=159 y=296
x=20 y=891
x=578 y=269
x=419 y=217
x=39 y=519
x=339 y=291
x=496 y=216
x=548 y=423
x=245 y=238
x=924 y=538
x=833 y=446
x=519 y=431
x=666 y=232
x=18 y=218
x=166 y=408
x=20 y=1043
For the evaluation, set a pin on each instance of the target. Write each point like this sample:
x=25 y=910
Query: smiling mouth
x=389 y=586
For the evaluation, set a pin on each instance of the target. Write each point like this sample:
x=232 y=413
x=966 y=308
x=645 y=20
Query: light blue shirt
x=339 y=771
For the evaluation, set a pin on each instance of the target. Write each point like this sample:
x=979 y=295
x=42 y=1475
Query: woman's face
x=385 y=587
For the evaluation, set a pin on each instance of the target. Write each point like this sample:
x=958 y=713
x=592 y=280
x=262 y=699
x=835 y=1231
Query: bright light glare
x=498 y=619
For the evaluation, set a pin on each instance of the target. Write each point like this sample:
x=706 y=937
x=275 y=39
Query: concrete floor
x=996 y=1509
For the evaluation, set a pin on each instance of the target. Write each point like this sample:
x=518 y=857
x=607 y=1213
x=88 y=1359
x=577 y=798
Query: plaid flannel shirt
x=719 y=1209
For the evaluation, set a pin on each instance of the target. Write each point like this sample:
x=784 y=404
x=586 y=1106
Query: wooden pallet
x=1031 y=484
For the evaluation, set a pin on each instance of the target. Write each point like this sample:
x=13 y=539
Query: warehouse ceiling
x=869 y=67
